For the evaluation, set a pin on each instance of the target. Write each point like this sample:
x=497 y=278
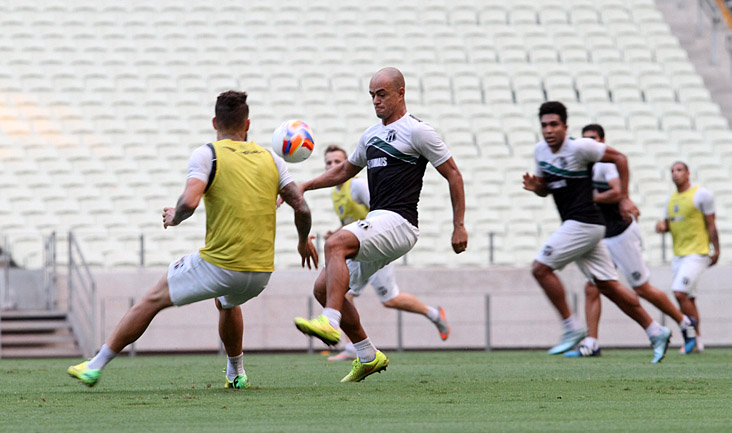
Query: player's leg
x=340 y=246
x=231 y=331
x=349 y=351
x=597 y=265
x=686 y=273
x=593 y=308
x=128 y=330
x=688 y=307
x=552 y=287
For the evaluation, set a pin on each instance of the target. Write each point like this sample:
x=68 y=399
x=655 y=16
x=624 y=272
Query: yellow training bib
x=345 y=206
x=686 y=224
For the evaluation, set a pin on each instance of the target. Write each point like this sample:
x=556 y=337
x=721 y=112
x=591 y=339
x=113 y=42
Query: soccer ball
x=293 y=141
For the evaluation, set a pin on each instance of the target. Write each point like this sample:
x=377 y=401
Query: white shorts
x=580 y=243
x=686 y=272
x=382 y=281
x=192 y=279
x=626 y=250
x=383 y=237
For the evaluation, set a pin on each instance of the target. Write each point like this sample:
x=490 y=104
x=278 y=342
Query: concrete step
x=32 y=315
x=18 y=326
x=37 y=339
x=40 y=352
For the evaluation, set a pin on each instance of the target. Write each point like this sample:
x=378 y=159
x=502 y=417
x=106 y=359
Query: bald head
x=387 y=94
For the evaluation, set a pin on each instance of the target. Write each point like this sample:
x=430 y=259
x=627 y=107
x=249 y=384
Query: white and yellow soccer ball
x=293 y=141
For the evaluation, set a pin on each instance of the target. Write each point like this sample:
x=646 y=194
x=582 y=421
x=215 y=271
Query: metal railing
x=50 y=274
x=82 y=299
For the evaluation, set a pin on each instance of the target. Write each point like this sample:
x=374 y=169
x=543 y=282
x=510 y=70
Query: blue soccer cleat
x=583 y=352
x=689 y=334
x=660 y=344
x=569 y=340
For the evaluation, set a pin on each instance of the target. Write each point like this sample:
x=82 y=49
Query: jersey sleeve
x=285 y=176
x=358 y=157
x=590 y=150
x=538 y=172
x=360 y=191
x=429 y=144
x=608 y=171
x=199 y=164
x=704 y=201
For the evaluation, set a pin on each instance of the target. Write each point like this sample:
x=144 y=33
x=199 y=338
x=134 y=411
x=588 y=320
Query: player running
x=623 y=241
x=563 y=169
x=690 y=217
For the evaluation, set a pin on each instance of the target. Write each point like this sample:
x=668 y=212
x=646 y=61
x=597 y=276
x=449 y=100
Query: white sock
x=102 y=358
x=234 y=366
x=685 y=322
x=570 y=324
x=653 y=330
x=433 y=314
x=365 y=350
x=591 y=343
x=334 y=317
x=350 y=348
x=699 y=344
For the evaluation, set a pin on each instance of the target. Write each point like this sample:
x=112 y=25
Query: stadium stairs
x=37 y=334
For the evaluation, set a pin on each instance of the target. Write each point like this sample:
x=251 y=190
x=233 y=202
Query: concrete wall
x=520 y=315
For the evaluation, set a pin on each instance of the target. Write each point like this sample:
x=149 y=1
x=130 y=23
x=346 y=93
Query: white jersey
x=568 y=174
x=200 y=165
x=396 y=156
x=602 y=174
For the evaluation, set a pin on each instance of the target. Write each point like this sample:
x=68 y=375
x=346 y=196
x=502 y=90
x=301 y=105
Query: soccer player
x=690 y=217
x=623 y=241
x=351 y=203
x=563 y=169
x=239 y=182
x=396 y=152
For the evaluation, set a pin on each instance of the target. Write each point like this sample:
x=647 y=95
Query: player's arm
x=626 y=205
x=187 y=203
x=449 y=171
x=335 y=176
x=709 y=221
x=536 y=184
x=610 y=196
x=291 y=194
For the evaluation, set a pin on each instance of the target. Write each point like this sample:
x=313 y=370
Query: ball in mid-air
x=293 y=141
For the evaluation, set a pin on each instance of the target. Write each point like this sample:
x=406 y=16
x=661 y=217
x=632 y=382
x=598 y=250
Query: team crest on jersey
x=390 y=136
x=676 y=208
x=562 y=162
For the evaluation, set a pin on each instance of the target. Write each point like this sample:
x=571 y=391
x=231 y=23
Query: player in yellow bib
x=351 y=203
x=239 y=182
x=690 y=217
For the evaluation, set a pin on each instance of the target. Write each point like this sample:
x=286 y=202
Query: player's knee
x=644 y=290
x=681 y=296
x=591 y=291
x=540 y=270
x=391 y=303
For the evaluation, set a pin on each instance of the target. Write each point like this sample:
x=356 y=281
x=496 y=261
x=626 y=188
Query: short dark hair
x=682 y=163
x=334 y=148
x=595 y=128
x=553 y=107
x=232 y=110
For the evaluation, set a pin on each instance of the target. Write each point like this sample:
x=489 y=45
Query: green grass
x=420 y=392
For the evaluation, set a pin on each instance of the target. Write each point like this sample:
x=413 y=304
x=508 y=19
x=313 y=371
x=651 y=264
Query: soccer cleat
x=345 y=355
x=360 y=370
x=689 y=334
x=569 y=340
x=442 y=326
x=88 y=376
x=583 y=352
x=319 y=327
x=660 y=344
x=241 y=381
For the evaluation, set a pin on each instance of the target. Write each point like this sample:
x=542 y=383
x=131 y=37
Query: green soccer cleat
x=362 y=369
x=240 y=382
x=319 y=327
x=88 y=376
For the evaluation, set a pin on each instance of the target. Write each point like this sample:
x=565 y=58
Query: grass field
x=420 y=392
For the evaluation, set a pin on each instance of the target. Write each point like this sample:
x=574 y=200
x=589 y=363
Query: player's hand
x=459 y=239
x=279 y=202
x=168 y=217
x=308 y=251
x=628 y=209
x=327 y=234
x=661 y=227
x=713 y=258
x=531 y=182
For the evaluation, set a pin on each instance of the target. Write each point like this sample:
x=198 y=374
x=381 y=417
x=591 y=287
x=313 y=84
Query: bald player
x=396 y=152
